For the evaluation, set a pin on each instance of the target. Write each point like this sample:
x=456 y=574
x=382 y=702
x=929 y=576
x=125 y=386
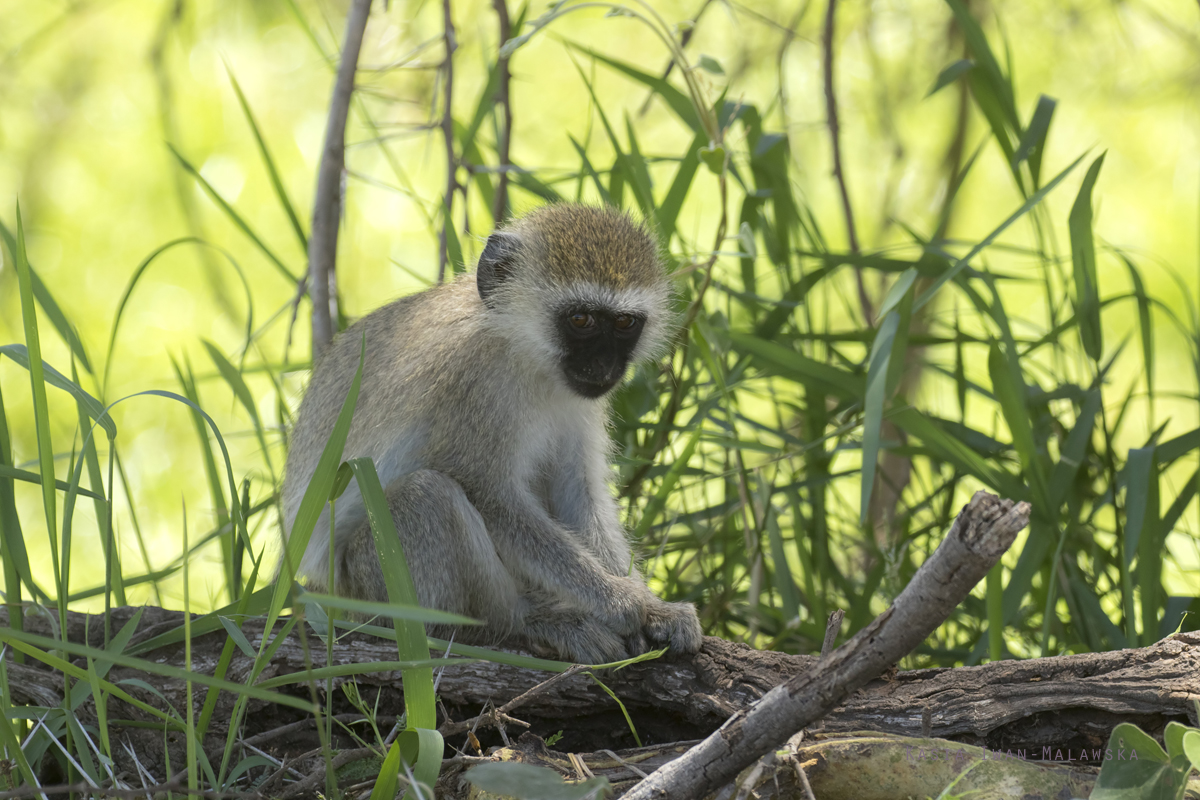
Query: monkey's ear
x=496 y=263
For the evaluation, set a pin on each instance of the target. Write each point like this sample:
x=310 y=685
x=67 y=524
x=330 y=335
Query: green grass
x=788 y=458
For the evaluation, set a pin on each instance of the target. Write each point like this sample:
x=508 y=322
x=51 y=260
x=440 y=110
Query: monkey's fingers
x=675 y=625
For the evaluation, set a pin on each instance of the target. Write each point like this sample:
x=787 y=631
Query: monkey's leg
x=449 y=553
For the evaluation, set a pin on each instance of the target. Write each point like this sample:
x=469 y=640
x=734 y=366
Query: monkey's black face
x=598 y=344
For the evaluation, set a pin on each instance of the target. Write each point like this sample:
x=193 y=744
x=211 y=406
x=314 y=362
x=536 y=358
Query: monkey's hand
x=673 y=624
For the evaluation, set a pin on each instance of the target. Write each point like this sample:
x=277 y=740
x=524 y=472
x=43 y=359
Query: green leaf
x=358 y=668
x=40 y=647
x=419 y=700
x=514 y=779
x=385 y=784
x=1191 y=747
x=1072 y=454
x=1145 y=327
x=315 y=494
x=668 y=210
x=949 y=75
x=1026 y=207
x=953 y=450
x=19 y=353
x=235 y=633
x=710 y=65
x=676 y=100
x=1083 y=257
x=341 y=481
x=1033 y=141
x=32 y=477
x=591 y=171
x=799 y=367
x=422 y=749
x=713 y=156
x=1010 y=391
x=877 y=372
x=1139 y=769
x=54 y=313
x=1140 y=472
x=659 y=501
x=1173 y=738
x=41 y=409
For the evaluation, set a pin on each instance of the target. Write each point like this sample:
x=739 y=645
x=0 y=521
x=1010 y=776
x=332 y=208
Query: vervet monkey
x=483 y=406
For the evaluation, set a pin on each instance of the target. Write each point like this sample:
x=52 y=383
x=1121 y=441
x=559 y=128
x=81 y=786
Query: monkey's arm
x=544 y=555
x=547 y=558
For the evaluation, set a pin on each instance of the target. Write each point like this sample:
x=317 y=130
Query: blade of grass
x=315 y=495
x=41 y=414
x=420 y=739
x=234 y=217
x=1142 y=535
x=961 y=264
x=136 y=278
x=1083 y=257
x=13 y=473
x=1033 y=141
x=265 y=153
x=39 y=647
x=21 y=355
x=51 y=308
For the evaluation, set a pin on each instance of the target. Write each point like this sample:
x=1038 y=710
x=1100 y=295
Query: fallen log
x=1039 y=706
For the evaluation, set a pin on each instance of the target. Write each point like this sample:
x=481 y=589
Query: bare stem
x=831 y=116
x=500 y=206
x=327 y=206
x=447 y=137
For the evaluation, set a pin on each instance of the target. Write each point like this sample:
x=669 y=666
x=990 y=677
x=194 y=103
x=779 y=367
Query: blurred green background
x=95 y=95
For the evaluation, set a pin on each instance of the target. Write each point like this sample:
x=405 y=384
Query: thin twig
x=448 y=138
x=327 y=205
x=683 y=42
x=309 y=785
x=452 y=728
x=832 y=626
x=831 y=117
x=504 y=101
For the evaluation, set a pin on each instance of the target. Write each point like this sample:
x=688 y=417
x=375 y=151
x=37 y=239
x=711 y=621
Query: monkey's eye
x=625 y=322
x=582 y=320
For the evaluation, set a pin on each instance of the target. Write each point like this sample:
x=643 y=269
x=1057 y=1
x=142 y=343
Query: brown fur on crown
x=577 y=242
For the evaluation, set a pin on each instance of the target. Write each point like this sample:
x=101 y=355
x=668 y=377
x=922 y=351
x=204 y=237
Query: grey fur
x=495 y=471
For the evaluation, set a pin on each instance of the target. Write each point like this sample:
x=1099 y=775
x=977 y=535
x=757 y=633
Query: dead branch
x=327 y=205
x=981 y=533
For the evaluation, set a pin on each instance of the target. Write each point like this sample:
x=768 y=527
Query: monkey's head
x=582 y=288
